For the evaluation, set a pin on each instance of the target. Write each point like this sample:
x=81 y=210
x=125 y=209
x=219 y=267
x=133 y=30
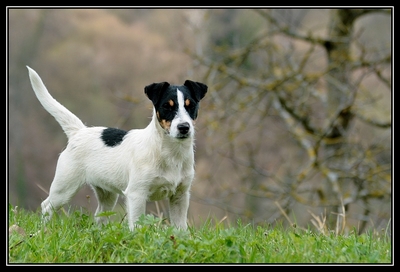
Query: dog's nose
x=183 y=128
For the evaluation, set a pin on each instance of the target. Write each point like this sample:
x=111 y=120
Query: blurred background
x=295 y=129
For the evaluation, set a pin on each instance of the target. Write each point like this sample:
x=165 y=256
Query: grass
x=77 y=239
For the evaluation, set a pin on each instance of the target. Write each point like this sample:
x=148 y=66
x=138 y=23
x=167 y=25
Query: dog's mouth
x=179 y=136
x=182 y=137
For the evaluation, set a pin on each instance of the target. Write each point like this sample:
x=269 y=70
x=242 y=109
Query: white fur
x=181 y=117
x=148 y=165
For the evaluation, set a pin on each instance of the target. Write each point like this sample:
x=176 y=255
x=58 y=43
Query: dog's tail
x=68 y=121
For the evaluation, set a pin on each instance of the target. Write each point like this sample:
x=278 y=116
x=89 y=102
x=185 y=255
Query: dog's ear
x=197 y=89
x=154 y=90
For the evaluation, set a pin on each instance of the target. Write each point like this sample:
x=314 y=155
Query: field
x=76 y=238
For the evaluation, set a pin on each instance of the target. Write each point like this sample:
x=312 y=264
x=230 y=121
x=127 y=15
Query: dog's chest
x=173 y=179
x=162 y=188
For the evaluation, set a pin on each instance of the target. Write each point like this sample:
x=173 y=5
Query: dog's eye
x=190 y=107
x=167 y=106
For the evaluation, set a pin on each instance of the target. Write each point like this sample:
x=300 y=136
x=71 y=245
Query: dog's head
x=176 y=107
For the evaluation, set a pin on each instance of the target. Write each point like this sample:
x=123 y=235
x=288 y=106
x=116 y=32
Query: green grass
x=77 y=239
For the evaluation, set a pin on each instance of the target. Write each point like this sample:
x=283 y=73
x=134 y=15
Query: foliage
x=77 y=239
x=300 y=116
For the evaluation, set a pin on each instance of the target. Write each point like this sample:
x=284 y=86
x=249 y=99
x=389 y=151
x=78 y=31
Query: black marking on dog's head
x=113 y=136
x=165 y=100
x=197 y=89
x=154 y=91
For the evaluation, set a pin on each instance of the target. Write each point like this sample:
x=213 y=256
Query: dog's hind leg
x=67 y=181
x=106 y=202
x=59 y=195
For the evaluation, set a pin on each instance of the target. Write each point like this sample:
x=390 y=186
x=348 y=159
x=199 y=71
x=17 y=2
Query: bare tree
x=287 y=121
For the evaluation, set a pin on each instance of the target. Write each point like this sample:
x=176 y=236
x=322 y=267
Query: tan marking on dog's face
x=166 y=125
x=187 y=102
x=171 y=103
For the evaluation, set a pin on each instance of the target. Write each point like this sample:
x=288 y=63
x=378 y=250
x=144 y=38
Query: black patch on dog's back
x=113 y=136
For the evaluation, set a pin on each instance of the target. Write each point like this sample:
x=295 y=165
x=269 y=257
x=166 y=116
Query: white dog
x=148 y=164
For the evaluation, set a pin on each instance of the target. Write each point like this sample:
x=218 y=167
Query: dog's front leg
x=136 y=205
x=179 y=205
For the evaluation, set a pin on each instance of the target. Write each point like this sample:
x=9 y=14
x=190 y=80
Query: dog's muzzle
x=183 y=129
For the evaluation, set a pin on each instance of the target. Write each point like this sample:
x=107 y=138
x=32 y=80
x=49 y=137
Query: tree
x=287 y=119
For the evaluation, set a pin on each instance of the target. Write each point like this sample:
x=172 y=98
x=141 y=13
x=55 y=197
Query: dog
x=148 y=164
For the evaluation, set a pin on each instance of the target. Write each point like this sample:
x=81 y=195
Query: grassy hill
x=76 y=238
